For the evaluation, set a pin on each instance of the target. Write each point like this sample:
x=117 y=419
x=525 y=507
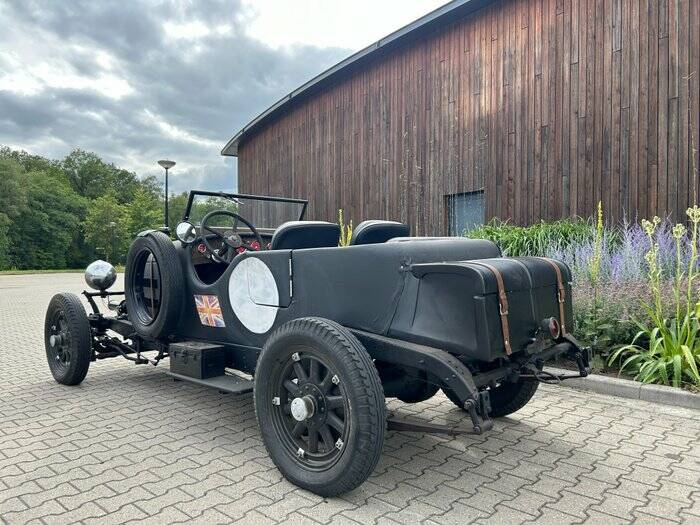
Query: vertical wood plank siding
x=547 y=105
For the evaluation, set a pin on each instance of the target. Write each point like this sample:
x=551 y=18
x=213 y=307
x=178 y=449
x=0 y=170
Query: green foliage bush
x=538 y=239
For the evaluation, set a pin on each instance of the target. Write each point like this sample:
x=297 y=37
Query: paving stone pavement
x=129 y=444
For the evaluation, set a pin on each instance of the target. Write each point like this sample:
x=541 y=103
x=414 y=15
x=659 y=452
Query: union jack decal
x=209 y=310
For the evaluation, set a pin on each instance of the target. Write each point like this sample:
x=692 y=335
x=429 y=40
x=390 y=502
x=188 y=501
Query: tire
x=404 y=383
x=507 y=397
x=416 y=392
x=342 y=387
x=67 y=339
x=154 y=311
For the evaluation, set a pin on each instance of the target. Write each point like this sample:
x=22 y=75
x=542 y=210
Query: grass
x=120 y=269
x=28 y=272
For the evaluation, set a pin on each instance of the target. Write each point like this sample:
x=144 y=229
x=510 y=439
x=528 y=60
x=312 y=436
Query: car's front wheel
x=67 y=339
x=320 y=406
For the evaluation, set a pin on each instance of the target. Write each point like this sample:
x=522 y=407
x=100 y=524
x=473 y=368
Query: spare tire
x=154 y=285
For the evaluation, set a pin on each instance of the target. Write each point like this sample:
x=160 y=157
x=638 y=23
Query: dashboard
x=201 y=254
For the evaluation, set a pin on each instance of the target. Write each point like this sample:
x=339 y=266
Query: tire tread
x=172 y=284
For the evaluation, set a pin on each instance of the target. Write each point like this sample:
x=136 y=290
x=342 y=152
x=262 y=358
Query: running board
x=231 y=384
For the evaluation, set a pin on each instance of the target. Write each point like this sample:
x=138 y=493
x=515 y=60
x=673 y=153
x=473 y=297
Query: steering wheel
x=231 y=242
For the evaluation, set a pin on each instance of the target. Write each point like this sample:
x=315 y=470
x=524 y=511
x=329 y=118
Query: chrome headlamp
x=100 y=275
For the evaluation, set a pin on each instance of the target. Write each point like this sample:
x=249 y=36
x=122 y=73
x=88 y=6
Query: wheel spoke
x=334 y=402
x=291 y=387
x=299 y=429
x=314 y=371
x=313 y=440
x=327 y=438
x=327 y=382
x=335 y=422
x=300 y=372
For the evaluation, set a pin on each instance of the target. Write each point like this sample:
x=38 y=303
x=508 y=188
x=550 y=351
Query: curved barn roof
x=442 y=15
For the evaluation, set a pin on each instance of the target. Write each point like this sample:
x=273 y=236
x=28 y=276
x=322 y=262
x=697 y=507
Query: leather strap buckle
x=561 y=292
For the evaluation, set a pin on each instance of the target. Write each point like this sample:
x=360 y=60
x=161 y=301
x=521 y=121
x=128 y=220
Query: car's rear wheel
x=67 y=339
x=416 y=392
x=154 y=285
x=506 y=398
x=320 y=406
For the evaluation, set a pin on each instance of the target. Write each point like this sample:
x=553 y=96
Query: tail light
x=552 y=327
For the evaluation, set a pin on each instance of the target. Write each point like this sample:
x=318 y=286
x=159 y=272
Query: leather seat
x=297 y=235
x=377 y=231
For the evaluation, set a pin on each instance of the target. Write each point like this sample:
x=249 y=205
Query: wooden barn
x=517 y=109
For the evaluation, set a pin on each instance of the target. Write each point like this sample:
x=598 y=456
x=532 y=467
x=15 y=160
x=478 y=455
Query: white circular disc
x=253 y=293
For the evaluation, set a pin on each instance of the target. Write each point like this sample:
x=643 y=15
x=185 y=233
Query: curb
x=612 y=386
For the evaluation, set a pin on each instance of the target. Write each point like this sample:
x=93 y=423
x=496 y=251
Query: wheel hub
x=57 y=340
x=302 y=408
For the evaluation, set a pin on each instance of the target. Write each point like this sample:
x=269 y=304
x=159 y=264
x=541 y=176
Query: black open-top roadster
x=326 y=332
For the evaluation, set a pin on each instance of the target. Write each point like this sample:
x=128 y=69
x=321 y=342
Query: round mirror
x=100 y=275
x=186 y=232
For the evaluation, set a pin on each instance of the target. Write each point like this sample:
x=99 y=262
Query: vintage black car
x=253 y=298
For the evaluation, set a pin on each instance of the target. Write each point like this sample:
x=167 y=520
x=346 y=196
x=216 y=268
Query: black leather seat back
x=297 y=235
x=376 y=231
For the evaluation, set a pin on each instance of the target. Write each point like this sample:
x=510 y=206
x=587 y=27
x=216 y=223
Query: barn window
x=464 y=211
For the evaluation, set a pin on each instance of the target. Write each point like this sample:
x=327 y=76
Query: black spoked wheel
x=313 y=405
x=67 y=339
x=320 y=406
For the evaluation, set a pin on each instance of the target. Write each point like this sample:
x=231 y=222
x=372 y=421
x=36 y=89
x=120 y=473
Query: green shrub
x=606 y=320
x=538 y=240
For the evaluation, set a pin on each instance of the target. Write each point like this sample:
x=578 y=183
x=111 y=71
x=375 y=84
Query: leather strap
x=561 y=293
x=502 y=303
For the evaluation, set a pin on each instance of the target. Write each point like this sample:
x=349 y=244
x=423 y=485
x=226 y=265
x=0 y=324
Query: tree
x=13 y=201
x=177 y=204
x=58 y=213
x=34 y=163
x=47 y=227
x=91 y=177
x=5 y=224
x=145 y=212
x=107 y=228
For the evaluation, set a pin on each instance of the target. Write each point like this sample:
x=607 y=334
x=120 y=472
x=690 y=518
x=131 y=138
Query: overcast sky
x=136 y=81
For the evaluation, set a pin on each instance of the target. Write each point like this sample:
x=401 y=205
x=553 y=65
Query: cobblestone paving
x=130 y=444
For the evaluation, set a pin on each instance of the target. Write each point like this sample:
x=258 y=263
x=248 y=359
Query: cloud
x=141 y=80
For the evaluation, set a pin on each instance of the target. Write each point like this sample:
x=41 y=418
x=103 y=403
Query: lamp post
x=167 y=164
x=113 y=227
